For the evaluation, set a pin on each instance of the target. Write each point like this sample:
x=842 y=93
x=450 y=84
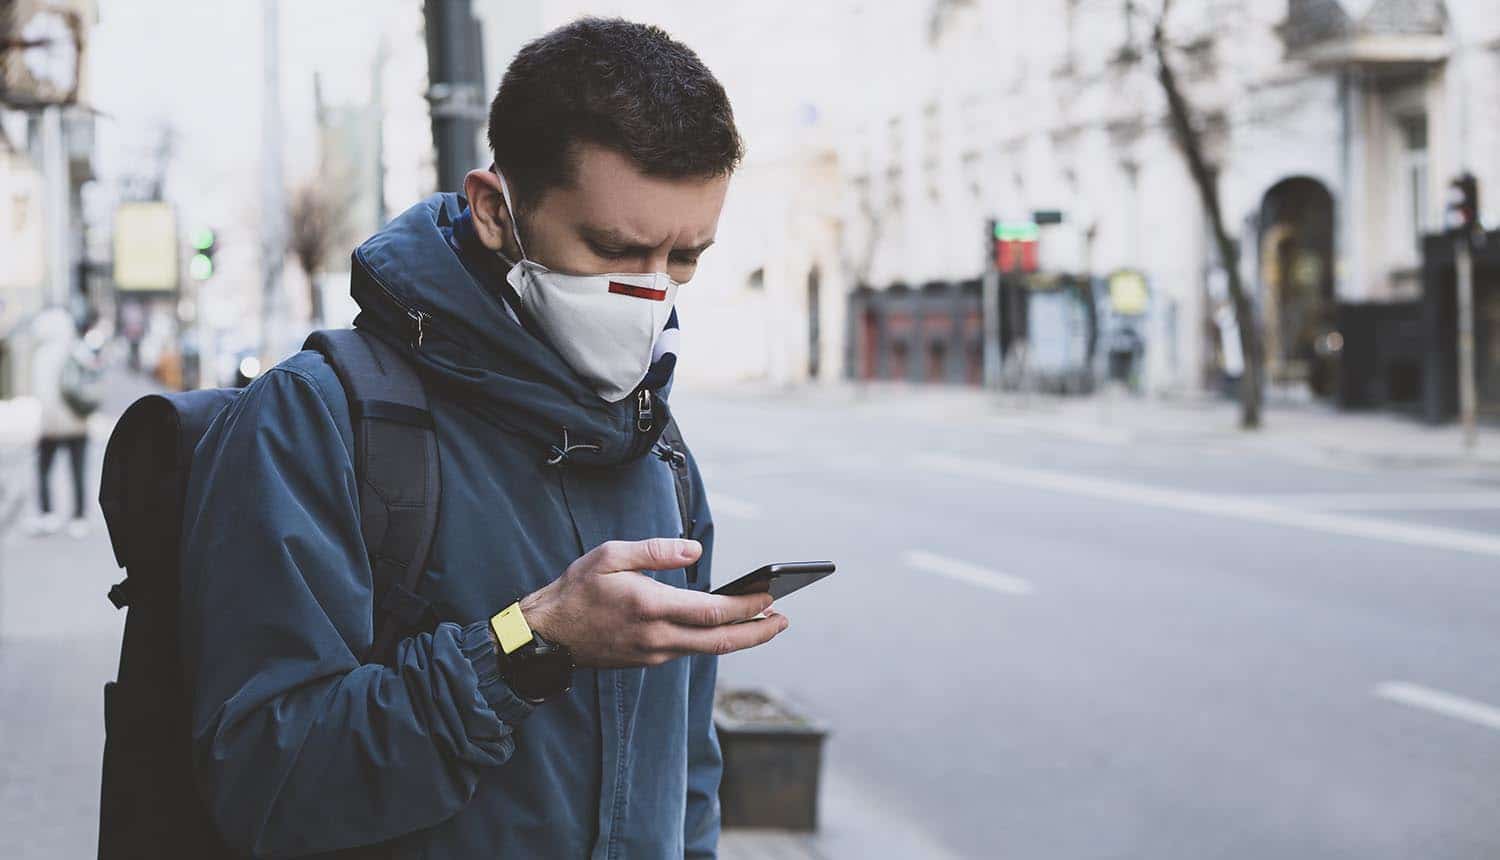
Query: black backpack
x=150 y=806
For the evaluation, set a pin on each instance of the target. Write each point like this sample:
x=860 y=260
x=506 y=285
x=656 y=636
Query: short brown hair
x=626 y=86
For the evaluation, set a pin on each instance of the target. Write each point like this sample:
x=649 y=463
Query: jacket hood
x=412 y=289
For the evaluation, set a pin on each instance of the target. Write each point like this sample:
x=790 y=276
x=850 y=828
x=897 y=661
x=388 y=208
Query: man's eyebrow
x=615 y=238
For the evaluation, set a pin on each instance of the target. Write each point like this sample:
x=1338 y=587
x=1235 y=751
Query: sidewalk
x=850 y=825
x=59 y=642
x=1376 y=439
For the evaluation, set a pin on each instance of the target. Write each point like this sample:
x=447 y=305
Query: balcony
x=1386 y=34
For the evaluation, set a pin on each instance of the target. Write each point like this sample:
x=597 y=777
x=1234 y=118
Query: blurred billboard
x=146 y=247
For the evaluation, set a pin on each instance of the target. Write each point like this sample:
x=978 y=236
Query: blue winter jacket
x=303 y=749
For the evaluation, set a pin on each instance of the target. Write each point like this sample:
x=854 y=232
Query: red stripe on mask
x=638 y=292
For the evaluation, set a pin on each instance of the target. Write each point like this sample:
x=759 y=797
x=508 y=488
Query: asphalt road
x=1092 y=644
x=1043 y=642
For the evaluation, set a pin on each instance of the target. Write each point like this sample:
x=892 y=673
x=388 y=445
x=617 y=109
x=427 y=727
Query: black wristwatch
x=537 y=670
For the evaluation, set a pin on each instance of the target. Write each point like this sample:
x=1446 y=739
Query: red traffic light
x=1463 y=203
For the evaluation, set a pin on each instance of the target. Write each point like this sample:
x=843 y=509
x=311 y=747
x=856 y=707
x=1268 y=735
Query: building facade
x=1332 y=128
x=46 y=159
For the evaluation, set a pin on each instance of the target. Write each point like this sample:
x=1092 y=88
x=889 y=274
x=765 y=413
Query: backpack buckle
x=669 y=454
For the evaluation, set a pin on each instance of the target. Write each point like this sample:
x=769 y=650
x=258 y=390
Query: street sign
x=145 y=247
x=1128 y=293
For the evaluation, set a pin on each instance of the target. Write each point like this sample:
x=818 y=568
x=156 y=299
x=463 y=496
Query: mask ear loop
x=514 y=222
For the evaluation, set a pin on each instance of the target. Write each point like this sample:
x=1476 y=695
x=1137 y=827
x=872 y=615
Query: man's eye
x=685 y=260
x=610 y=253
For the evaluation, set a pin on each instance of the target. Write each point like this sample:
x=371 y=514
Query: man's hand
x=610 y=615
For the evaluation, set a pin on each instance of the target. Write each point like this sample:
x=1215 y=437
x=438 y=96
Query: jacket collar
x=412 y=288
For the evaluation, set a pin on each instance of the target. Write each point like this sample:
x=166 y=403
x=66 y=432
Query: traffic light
x=1463 y=204
x=201 y=267
x=1016 y=245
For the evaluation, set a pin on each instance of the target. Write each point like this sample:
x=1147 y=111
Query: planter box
x=772 y=757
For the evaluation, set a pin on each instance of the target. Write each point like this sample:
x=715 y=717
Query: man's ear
x=492 y=218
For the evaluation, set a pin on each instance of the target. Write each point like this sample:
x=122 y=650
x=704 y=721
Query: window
x=1413 y=176
x=932 y=145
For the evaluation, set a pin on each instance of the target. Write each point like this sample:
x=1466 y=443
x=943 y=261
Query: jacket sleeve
x=299 y=747
x=705 y=762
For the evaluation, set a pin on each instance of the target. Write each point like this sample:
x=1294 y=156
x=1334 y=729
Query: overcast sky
x=197 y=67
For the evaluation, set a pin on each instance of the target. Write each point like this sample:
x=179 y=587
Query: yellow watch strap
x=510 y=628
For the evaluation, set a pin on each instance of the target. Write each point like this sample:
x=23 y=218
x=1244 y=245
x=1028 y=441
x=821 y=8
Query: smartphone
x=779 y=579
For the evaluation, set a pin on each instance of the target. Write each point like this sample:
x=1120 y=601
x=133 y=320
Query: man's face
x=613 y=218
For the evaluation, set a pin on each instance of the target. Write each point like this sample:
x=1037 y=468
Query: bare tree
x=859 y=262
x=316 y=220
x=1189 y=139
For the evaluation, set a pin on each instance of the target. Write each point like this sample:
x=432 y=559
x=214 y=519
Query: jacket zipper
x=418 y=318
x=676 y=460
x=644 y=417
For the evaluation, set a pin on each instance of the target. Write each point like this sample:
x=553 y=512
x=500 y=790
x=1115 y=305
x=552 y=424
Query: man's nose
x=656 y=261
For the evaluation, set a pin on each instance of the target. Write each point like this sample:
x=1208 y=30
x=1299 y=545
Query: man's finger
x=697 y=609
x=725 y=639
x=652 y=554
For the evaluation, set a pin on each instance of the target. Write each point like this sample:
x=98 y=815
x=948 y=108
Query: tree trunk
x=1191 y=144
x=314 y=298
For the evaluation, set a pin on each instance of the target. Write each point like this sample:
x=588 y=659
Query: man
x=613 y=147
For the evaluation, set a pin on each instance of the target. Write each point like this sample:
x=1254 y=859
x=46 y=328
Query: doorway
x=1297 y=279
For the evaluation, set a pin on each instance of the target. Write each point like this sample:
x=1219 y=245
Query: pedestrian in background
x=65 y=379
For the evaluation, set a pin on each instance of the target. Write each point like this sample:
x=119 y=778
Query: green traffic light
x=201 y=267
x=203 y=238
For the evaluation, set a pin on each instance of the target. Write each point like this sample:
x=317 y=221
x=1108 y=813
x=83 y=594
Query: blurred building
x=1332 y=127
x=46 y=157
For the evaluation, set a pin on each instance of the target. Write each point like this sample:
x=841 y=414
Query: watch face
x=540 y=673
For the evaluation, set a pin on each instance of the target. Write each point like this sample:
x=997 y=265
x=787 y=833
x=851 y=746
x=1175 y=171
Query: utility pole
x=55 y=177
x=1467 y=398
x=455 y=71
x=1463 y=223
x=990 y=311
x=377 y=102
x=272 y=190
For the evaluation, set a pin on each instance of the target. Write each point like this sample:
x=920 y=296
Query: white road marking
x=733 y=507
x=1439 y=702
x=1476 y=500
x=1237 y=507
x=963 y=571
x=1047 y=428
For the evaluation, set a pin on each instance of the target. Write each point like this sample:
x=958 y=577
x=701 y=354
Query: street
x=1048 y=638
x=1098 y=644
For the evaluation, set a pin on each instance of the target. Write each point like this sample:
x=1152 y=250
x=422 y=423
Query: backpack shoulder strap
x=673 y=450
x=399 y=489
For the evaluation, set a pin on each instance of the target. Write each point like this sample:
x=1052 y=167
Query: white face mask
x=605 y=326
